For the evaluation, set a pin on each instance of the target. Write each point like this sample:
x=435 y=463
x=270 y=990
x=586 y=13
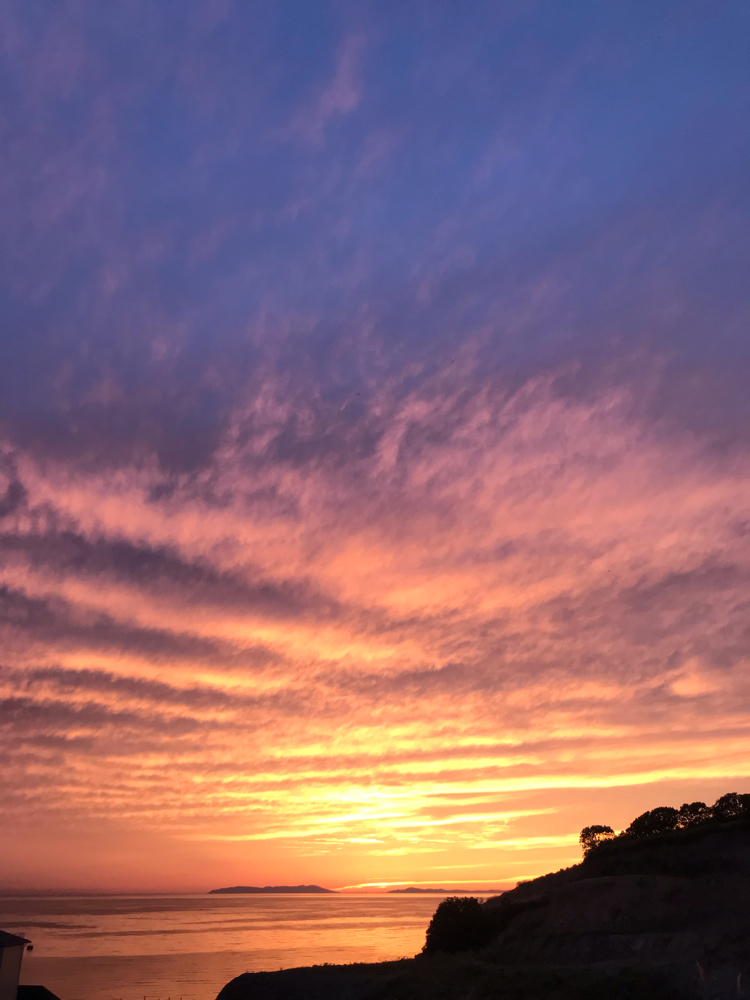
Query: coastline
x=662 y=916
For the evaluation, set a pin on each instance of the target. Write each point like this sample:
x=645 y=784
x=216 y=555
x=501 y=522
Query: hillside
x=665 y=917
x=672 y=900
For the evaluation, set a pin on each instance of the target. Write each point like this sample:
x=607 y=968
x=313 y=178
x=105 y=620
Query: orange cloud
x=402 y=659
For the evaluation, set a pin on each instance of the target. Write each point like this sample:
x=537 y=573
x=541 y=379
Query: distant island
x=272 y=888
x=445 y=892
x=413 y=888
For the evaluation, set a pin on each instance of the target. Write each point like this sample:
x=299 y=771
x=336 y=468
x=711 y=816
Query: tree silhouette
x=693 y=813
x=657 y=820
x=731 y=805
x=664 y=818
x=593 y=836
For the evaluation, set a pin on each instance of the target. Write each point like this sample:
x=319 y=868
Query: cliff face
x=630 y=917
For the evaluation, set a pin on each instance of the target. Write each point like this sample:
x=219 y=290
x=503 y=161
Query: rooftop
x=12 y=940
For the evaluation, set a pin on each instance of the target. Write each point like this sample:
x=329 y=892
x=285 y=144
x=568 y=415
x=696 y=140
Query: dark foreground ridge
x=273 y=888
x=663 y=917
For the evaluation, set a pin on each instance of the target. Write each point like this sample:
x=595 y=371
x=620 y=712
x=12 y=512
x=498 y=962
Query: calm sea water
x=172 y=947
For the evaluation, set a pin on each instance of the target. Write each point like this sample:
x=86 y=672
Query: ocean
x=188 y=947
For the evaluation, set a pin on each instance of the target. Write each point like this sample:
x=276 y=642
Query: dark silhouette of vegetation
x=658 y=820
x=592 y=836
x=693 y=813
x=459 y=924
x=731 y=805
x=664 y=819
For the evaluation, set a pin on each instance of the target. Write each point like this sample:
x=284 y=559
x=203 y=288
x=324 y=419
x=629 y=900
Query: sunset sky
x=374 y=434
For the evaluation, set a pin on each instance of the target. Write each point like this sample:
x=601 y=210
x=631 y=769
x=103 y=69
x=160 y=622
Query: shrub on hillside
x=458 y=924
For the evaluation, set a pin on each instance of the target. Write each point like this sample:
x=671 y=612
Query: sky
x=374 y=435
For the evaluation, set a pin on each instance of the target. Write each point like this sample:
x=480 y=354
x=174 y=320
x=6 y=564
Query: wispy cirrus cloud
x=510 y=593
x=338 y=97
